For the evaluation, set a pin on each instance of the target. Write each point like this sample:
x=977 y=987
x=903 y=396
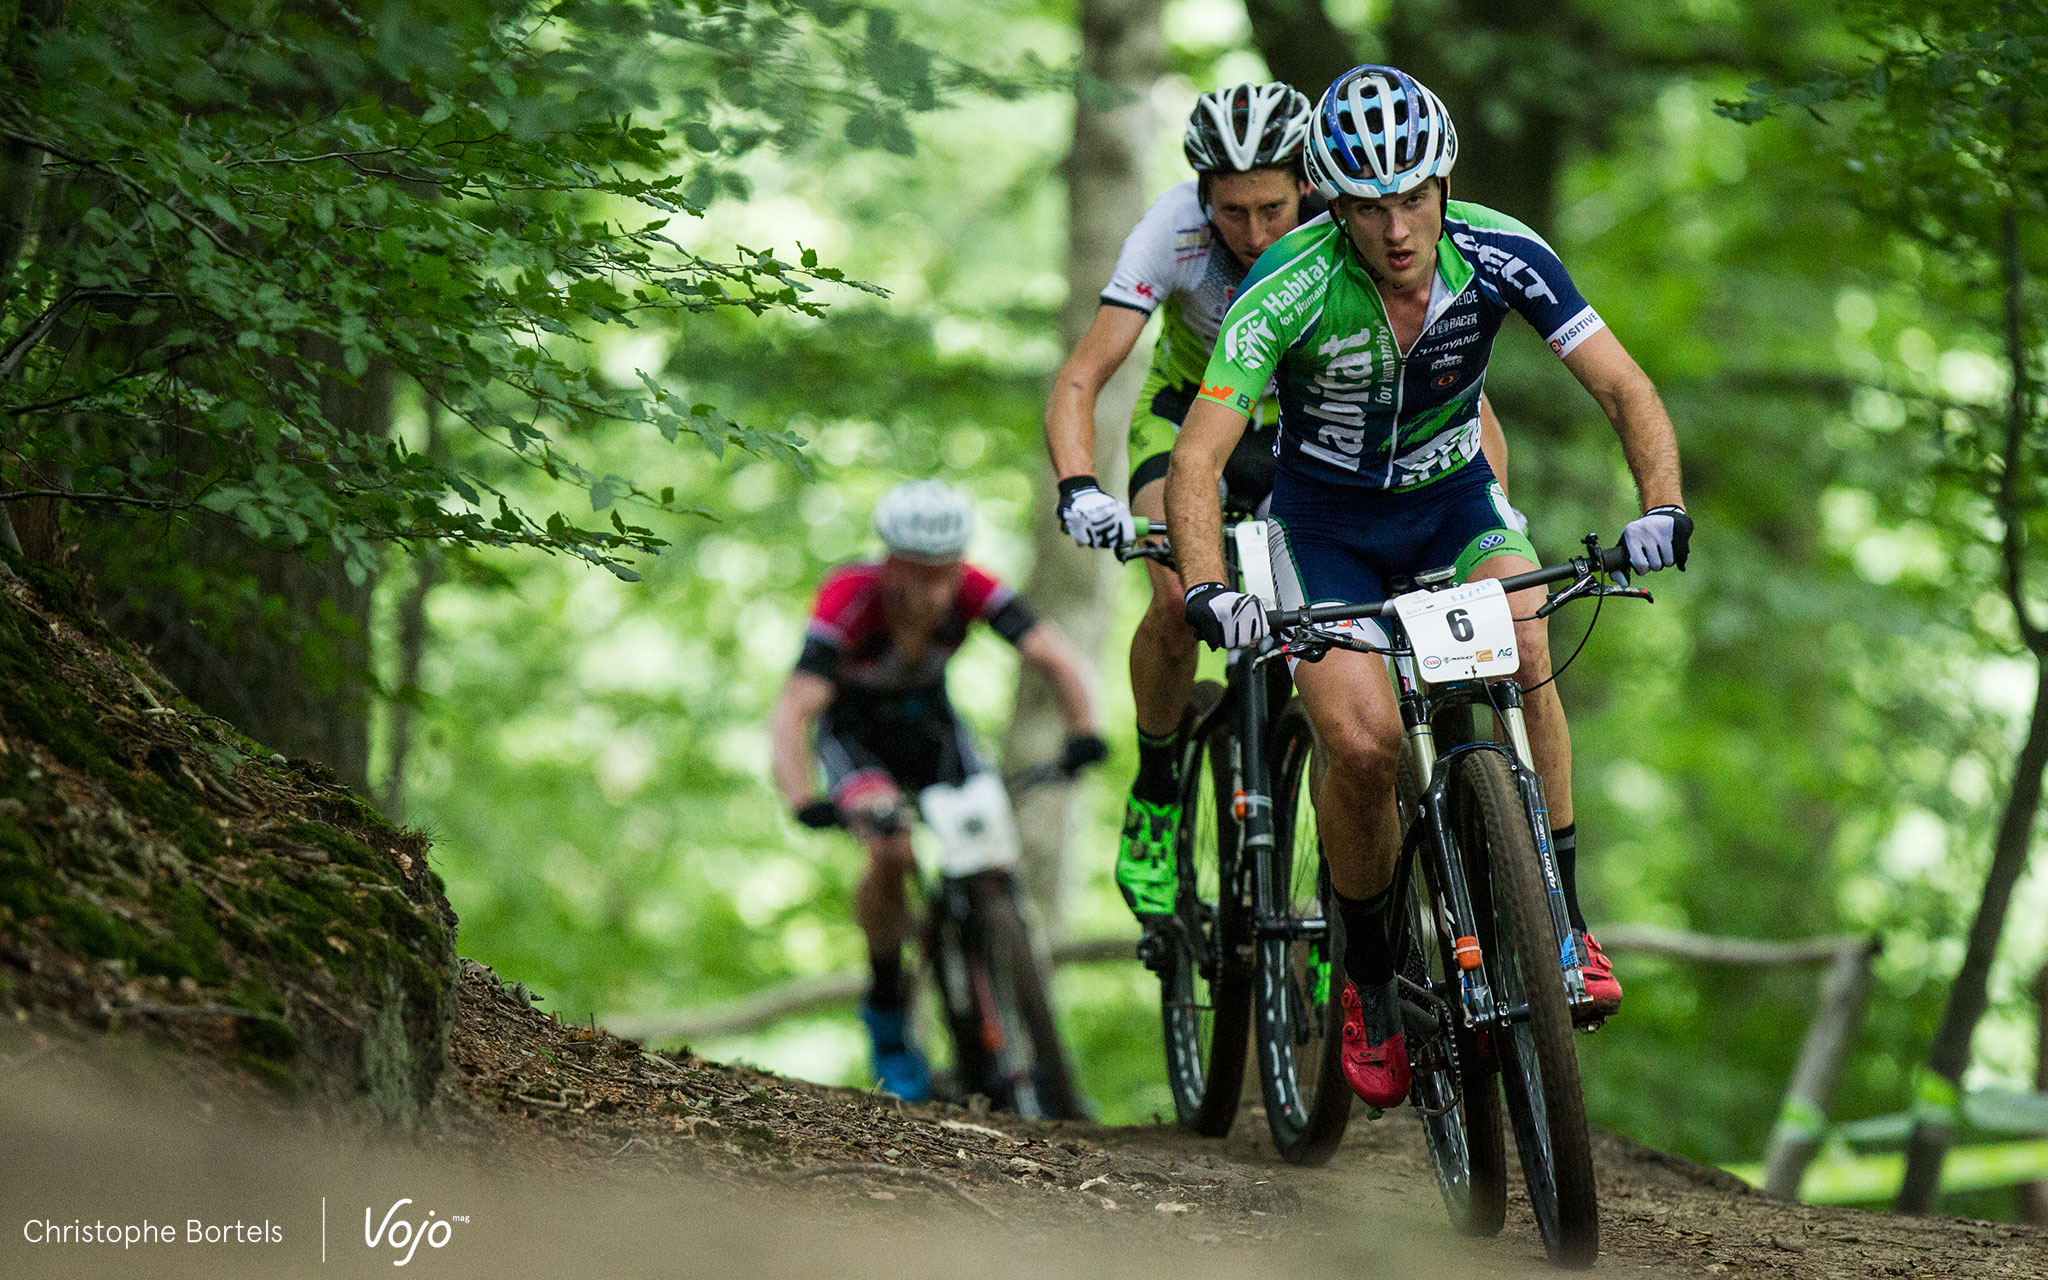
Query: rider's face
x=918 y=594
x=1254 y=209
x=1396 y=235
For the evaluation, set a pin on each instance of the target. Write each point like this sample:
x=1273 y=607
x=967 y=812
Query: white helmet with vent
x=1247 y=126
x=925 y=520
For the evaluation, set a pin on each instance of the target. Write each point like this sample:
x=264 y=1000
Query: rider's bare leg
x=1163 y=649
x=1358 y=730
x=882 y=908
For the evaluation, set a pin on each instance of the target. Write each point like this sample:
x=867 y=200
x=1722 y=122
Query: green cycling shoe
x=1145 y=867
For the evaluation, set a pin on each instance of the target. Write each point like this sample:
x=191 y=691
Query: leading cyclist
x=872 y=679
x=1186 y=258
x=1379 y=321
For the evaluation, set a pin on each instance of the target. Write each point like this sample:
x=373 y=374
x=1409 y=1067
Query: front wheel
x=1204 y=986
x=1298 y=993
x=1455 y=1087
x=1539 y=1061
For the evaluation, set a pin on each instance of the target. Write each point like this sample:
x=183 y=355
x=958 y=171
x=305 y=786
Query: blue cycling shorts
x=1340 y=544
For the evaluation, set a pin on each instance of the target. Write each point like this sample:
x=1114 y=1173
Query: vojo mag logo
x=403 y=1236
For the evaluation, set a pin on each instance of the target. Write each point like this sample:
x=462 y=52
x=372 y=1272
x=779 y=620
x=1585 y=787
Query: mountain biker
x=1378 y=321
x=872 y=680
x=1185 y=258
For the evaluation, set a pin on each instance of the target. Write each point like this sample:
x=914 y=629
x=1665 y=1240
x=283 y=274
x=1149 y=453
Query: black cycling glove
x=819 y=815
x=1082 y=750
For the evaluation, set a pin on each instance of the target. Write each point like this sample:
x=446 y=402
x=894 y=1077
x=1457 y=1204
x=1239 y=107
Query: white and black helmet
x=1378 y=132
x=1247 y=126
x=925 y=520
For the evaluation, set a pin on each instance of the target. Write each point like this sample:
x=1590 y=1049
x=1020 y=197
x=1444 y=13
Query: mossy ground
x=160 y=871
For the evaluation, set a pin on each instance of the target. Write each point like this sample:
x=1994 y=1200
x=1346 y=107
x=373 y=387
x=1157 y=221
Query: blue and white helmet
x=928 y=521
x=1378 y=132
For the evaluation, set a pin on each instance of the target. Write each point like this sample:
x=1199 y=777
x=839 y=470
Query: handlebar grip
x=1613 y=559
x=1145 y=527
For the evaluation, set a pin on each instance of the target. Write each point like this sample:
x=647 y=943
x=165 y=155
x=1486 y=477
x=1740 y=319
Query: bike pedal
x=1152 y=949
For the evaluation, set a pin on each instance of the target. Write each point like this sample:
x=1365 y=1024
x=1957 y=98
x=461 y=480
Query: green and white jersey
x=1355 y=409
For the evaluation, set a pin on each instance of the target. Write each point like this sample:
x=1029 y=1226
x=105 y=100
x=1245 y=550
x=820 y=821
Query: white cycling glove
x=1660 y=538
x=1093 y=518
x=1225 y=619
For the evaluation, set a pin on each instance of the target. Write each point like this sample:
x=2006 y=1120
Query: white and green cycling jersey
x=1355 y=409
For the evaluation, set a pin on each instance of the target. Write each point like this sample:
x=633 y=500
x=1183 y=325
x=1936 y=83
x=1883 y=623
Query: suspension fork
x=1508 y=699
x=1252 y=800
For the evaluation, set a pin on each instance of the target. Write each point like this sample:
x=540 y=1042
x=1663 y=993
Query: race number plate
x=973 y=823
x=1461 y=634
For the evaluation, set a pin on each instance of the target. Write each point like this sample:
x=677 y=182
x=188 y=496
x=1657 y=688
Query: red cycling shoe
x=1601 y=983
x=1377 y=1073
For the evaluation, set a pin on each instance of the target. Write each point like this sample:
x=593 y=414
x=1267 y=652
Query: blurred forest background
x=1812 y=732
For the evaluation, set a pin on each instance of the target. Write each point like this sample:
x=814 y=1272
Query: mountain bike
x=979 y=950
x=1247 y=957
x=1490 y=977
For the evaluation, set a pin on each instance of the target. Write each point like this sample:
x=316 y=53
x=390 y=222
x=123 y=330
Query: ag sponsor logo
x=1446 y=380
x=1458 y=320
x=1492 y=540
x=1144 y=290
x=1190 y=238
x=1432 y=662
x=1211 y=391
x=1446 y=362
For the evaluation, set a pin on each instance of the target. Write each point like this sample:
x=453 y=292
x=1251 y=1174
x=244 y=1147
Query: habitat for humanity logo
x=405 y=1235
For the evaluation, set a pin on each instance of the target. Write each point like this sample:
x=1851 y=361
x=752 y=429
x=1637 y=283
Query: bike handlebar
x=1611 y=560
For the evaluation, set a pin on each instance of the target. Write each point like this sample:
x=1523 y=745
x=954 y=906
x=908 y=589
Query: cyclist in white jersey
x=1185 y=259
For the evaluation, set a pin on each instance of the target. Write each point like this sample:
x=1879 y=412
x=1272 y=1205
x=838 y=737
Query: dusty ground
x=561 y=1151
x=573 y=1098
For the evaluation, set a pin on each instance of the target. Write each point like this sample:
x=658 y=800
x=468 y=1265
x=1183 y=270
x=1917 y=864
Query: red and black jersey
x=848 y=641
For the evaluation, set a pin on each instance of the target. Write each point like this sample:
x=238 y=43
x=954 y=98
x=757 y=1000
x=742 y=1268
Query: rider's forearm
x=791 y=761
x=1649 y=442
x=1048 y=651
x=1070 y=418
x=1194 y=512
x=1630 y=401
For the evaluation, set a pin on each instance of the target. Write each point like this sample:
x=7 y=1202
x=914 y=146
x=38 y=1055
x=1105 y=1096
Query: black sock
x=1564 y=845
x=886 y=991
x=1368 y=953
x=1158 y=768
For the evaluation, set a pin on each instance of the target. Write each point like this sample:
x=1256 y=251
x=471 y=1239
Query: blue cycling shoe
x=898 y=1065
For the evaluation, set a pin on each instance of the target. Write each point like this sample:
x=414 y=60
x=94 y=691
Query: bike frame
x=1420 y=705
x=1247 y=705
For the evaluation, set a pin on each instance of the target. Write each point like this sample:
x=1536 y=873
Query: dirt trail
x=603 y=1100
x=563 y=1151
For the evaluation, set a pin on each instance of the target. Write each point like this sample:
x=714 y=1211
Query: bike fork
x=1531 y=786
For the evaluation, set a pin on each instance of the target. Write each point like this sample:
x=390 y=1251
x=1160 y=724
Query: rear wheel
x=1300 y=983
x=1455 y=1087
x=1539 y=1061
x=1204 y=986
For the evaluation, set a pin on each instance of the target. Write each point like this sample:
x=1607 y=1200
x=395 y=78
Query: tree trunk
x=1300 y=44
x=289 y=668
x=1121 y=48
x=1937 y=1094
x=412 y=645
x=2034 y=1195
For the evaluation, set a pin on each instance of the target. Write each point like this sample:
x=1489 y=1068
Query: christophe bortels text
x=130 y=1234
